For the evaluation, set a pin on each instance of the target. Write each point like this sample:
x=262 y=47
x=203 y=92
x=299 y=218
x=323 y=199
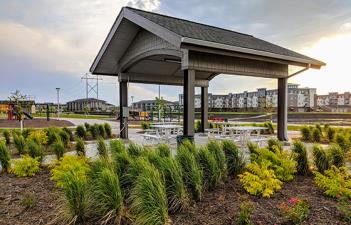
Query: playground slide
x=28 y=115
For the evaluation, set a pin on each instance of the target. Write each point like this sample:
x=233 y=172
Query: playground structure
x=11 y=111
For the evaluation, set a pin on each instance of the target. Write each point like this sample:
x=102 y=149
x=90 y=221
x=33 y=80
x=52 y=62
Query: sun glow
x=335 y=51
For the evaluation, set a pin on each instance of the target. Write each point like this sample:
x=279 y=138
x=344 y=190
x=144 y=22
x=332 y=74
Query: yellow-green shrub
x=25 y=167
x=39 y=136
x=335 y=182
x=69 y=163
x=260 y=180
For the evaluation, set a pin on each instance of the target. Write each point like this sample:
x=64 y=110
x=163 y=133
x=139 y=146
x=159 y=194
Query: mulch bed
x=217 y=207
x=13 y=190
x=35 y=123
x=221 y=207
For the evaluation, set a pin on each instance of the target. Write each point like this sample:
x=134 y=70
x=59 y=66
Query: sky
x=45 y=44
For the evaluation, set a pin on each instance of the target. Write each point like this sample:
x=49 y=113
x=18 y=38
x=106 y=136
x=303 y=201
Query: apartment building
x=299 y=99
x=334 y=102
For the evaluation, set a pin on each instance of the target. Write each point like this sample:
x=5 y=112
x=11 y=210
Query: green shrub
x=163 y=150
x=149 y=199
x=25 y=167
x=197 y=125
x=344 y=208
x=39 y=136
x=77 y=201
x=259 y=180
x=320 y=157
x=35 y=150
x=108 y=198
x=20 y=144
x=234 y=158
x=69 y=132
x=122 y=162
x=80 y=146
x=337 y=155
x=316 y=135
x=145 y=125
x=87 y=126
x=26 y=132
x=5 y=157
x=102 y=148
x=52 y=134
x=245 y=212
x=69 y=164
x=279 y=161
x=300 y=156
x=306 y=133
x=102 y=132
x=108 y=129
x=80 y=131
x=335 y=182
x=190 y=146
x=253 y=147
x=94 y=130
x=65 y=138
x=269 y=126
x=177 y=196
x=7 y=137
x=192 y=174
x=274 y=144
x=215 y=148
x=58 y=148
x=134 y=150
x=342 y=141
x=210 y=170
x=117 y=146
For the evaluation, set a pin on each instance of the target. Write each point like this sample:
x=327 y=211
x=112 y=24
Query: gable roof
x=194 y=30
x=184 y=32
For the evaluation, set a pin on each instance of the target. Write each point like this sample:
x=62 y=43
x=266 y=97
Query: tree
x=161 y=105
x=16 y=97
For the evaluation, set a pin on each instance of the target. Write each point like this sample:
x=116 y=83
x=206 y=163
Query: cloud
x=149 y=5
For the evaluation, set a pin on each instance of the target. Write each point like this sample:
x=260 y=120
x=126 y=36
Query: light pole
x=132 y=97
x=159 y=99
x=58 y=101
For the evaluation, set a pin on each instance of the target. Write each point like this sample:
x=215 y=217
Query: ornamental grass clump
x=320 y=158
x=94 y=130
x=177 y=197
x=35 y=150
x=108 y=130
x=216 y=149
x=208 y=164
x=337 y=155
x=260 y=180
x=69 y=132
x=269 y=126
x=316 y=135
x=342 y=141
x=306 y=133
x=134 y=150
x=5 y=157
x=192 y=173
x=65 y=138
x=25 y=167
x=148 y=197
x=107 y=196
x=80 y=131
x=80 y=146
x=102 y=148
x=163 y=150
x=234 y=157
x=59 y=148
x=75 y=206
x=7 y=136
x=117 y=146
x=52 y=134
x=331 y=134
x=335 y=182
x=300 y=156
x=20 y=143
x=245 y=213
x=102 y=131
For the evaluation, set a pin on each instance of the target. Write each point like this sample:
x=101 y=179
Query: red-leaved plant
x=296 y=210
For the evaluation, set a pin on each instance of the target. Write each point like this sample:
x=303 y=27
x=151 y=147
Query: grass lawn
x=74 y=116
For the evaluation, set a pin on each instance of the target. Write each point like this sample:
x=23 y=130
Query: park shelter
x=145 y=47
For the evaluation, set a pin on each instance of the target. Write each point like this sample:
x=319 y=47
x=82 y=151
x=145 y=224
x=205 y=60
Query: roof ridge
x=159 y=14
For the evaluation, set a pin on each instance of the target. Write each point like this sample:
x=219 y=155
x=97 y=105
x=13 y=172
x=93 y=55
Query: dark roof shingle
x=205 y=32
